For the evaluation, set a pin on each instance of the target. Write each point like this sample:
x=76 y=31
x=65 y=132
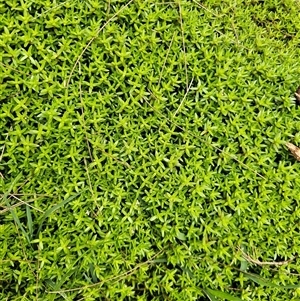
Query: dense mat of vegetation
x=142 y=150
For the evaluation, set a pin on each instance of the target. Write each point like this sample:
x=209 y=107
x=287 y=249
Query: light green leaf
x=244 y=263
x=181 y=236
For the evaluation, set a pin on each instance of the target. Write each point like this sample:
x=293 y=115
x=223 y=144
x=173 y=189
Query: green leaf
x=54 y=208
x=92 y=272
x=188 y=271
x=53 y=286
x=244 y=263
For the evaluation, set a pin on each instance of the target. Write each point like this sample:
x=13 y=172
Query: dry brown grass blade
x=108 y=8
x=297 y=94
x=19 y=204
x=118 y=277
x=295 y=151
x=12 y=68
x=29 y=194
x=114 y=158
x=91 y=41
x=26 y=203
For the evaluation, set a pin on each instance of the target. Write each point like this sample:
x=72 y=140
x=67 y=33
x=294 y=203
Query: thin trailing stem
x=215 y=147
x=184 y=97
x=261 y=263
x=165 y=60
x=183 y=45
x=118 y=277
x=91 y=41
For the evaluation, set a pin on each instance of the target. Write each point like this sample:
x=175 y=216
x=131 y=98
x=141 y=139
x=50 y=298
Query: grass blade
x=222 y=295
x=29 y=221
x=244 y=265
x=19 y=224
x=209 y=295
x=261 y=281
x=13 y=213
x=244 y=262
x=54 y=208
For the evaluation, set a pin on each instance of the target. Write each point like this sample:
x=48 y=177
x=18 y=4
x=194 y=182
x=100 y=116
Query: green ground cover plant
x=142 y=150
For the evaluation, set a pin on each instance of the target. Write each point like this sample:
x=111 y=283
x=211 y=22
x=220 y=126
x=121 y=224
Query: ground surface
x=142 y=144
